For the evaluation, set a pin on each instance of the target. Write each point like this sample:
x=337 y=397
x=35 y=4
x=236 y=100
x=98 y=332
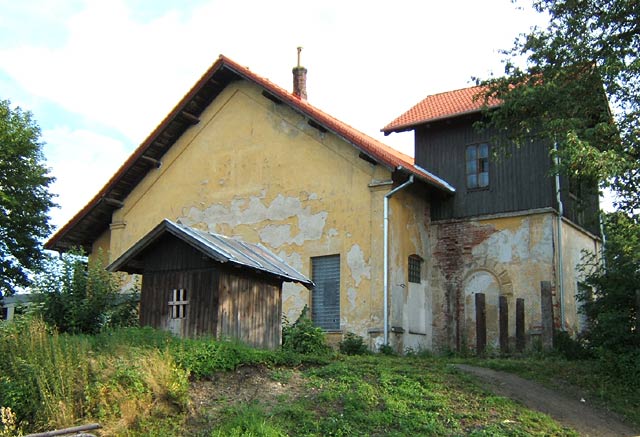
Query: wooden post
x=504 y=323
x=481 y=324
x=520 y=325
x=546 y=309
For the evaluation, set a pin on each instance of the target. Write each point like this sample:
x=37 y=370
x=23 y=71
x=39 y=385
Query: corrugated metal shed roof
x=217 y=247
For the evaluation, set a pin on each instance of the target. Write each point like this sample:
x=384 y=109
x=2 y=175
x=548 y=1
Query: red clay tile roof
x=439 y=107
x=83 y=228
x=370 y=146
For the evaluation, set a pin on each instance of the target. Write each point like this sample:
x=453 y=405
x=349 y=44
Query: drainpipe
x=560 y=262
x=386 y=255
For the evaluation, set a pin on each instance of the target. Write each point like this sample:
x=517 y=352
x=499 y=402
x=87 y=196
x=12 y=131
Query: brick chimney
x=300 y=79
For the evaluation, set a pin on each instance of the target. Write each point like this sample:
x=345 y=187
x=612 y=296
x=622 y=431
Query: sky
x=99 y=75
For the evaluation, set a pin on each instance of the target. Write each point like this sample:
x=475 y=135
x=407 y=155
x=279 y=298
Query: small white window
x=178 y=303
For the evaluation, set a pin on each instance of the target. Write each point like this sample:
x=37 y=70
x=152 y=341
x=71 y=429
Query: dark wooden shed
x=196 y=283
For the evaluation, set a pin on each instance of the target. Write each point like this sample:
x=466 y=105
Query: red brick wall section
x=453 y=253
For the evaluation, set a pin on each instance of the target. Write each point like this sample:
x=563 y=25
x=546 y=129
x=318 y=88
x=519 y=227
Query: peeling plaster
x=294 y=299
x=352 y=293
x=511 y=246
x=357 y=264
x=252 y=211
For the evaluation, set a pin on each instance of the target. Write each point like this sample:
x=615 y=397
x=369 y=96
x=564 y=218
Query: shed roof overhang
x=221 y=249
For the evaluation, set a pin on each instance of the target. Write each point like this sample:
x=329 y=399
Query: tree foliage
x=611 y=299
x=24 y=197
x=580 y=89
x=77 y=297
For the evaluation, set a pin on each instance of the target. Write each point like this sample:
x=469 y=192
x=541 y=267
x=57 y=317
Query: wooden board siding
x=518 y=182
x=224 y=300
x=250 y=310
x=202 y=295
x=169 y=253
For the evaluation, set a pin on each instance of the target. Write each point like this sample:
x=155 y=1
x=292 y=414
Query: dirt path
x=567 y=410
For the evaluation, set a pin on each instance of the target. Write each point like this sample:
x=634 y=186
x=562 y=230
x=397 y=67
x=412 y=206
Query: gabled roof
x=95 y=217
x=440 y=107
x=217 y=247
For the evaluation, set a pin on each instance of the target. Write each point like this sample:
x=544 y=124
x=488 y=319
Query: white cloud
x=82 y=162
x=368 y=62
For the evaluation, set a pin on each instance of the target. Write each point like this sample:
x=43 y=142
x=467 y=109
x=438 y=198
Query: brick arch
x=502 y=276
x=494 y=283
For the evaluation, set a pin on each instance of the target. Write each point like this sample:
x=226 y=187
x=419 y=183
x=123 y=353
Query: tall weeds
x=44 y=374
x=52 y=380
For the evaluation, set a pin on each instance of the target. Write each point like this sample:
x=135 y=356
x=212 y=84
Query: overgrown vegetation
x=139 y=382
x=353 y=344
x=52 y=380
x=303 y=337
x=79 y=297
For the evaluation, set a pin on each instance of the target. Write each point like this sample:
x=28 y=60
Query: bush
x=77 y=297
x=569 y=348
x=302 y=337
x=386 y=349
x=353 y=344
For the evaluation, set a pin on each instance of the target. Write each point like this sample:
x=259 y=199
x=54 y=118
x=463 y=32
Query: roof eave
x=411 y=126
x=53 y=242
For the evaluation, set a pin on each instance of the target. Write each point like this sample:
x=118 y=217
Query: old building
x=241 y=157
x=396 y=249
x=511 y=224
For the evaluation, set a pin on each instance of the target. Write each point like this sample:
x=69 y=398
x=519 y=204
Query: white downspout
x=385 y=262
x=560 y=261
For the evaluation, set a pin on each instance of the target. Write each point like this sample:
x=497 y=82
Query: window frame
x=327 y=325
x=414 y=269
x=479 y=163
x=178 y=302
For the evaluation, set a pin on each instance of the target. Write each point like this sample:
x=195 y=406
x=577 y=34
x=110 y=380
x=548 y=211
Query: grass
x=604 y=387
x=142 y=382
x=378 y=395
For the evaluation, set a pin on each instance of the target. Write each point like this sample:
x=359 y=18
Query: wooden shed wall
x=202 y=294
x=250 y=310
x=172 y=264
x=223 y=301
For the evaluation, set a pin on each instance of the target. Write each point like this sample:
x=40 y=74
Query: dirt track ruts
x=570 y=411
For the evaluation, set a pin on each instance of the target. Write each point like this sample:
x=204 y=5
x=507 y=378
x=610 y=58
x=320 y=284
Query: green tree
x=610 y=300
x=580 y=89
x=24 y=197
x=80 y=297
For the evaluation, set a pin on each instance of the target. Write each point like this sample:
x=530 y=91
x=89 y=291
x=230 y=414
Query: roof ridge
x=376 y=149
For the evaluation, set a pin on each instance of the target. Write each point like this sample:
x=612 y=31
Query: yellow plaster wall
x=575 y=244
x=101 y=246
x=517 y=253
x=256 y=170
x=409 y=236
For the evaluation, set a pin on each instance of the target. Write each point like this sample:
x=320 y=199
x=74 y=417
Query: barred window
x=415 y=266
